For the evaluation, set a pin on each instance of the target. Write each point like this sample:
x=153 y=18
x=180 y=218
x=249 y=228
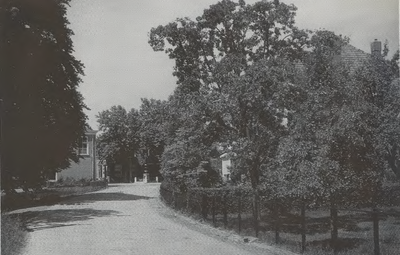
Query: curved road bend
x=125 y=219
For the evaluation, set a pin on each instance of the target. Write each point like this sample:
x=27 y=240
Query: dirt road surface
x=126 y=219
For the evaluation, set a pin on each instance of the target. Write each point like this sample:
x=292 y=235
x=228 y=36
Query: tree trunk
x=254 y=175
x=188 y=201
x=393 y=162
x=334 y=226
x=303 y=227
x=256 y=216
x=375 y=217
x=204 y=208
x=175 y=203
x=277 y=222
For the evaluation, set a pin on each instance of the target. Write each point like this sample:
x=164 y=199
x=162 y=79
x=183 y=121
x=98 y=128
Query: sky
x=111 y=40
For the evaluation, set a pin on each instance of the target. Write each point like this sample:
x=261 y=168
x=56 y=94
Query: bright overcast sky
x=121 y=68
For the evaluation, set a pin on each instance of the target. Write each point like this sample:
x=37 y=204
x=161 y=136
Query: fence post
x=225 y=209
x=213 y=211
x=187 y=200
x=240 y=211
x=375 y=220
x=334 y=225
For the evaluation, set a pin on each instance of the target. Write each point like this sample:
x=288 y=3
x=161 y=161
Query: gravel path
x=126 y=219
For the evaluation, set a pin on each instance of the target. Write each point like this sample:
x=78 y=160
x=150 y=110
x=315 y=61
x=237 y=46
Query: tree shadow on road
x=37 y=220
x=94 y=197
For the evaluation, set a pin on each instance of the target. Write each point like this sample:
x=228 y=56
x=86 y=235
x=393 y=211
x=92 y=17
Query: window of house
x=52 y=176
x=84 y=149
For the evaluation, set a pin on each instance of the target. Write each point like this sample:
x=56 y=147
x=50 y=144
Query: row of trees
x=42 y=118
x=283 y=101
x=297 y=118
x=134 y=136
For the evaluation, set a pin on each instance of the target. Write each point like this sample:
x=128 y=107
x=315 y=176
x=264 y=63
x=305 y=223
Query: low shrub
x=69 y=182
x=99 y=183
x=14 y=201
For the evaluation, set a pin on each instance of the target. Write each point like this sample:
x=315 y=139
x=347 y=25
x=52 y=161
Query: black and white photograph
x=184 y=127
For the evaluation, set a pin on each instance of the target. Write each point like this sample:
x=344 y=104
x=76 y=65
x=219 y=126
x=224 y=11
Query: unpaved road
x=125 y=219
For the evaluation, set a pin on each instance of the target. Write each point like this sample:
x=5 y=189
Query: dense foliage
x=294 y=116
x=42 y=114
x=280 y=100
x=119 y=139
x=301 y=124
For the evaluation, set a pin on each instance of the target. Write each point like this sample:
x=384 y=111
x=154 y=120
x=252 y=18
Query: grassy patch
x=13 y=235
x=73 y=191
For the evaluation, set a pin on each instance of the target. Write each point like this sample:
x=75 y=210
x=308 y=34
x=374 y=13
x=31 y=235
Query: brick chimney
x=376 y=48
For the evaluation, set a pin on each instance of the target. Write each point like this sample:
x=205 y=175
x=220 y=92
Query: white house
x=226 y=166
x=86 y=168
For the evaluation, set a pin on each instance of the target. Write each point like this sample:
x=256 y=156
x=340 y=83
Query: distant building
x=86 y=168
x=352 y=56
x=226 y=164
x=223 y=164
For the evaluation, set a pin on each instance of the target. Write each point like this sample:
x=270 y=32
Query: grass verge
x=48 y=196
x=13 y=235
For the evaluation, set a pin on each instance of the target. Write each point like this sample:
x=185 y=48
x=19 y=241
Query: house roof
x=224 y=156
x=353 y=57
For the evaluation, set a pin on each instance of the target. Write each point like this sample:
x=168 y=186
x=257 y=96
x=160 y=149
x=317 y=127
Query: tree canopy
x=272 y=94
x=42 y=112
x=228 y=31
x=119 y=137
x=298 y=119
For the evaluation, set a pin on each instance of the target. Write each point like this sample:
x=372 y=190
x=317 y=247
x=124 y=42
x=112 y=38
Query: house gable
x=353 y=57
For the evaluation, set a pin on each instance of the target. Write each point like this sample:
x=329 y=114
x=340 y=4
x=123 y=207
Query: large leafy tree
x=119 y=138
x=154 y=118
x=342 y=130
x=392 y=127
x=188 y=139
x=381 y=88
x=324 y=144
x=214 y=53
x=235 y=59
x=42 y=112
x=230 y=30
